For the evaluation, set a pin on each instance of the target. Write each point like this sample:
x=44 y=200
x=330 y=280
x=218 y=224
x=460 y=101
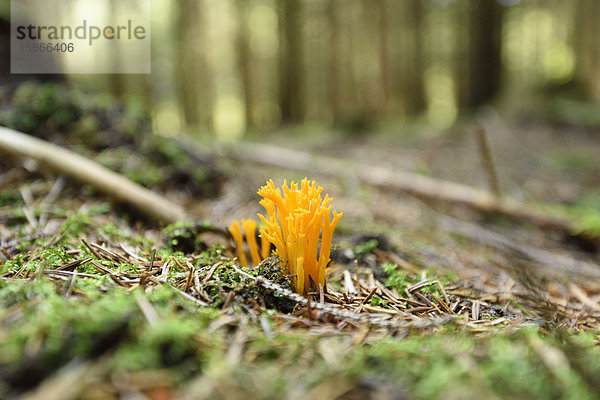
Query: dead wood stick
x=553 y=262
x=92 y=173
x=398 y=180
x=485 y=152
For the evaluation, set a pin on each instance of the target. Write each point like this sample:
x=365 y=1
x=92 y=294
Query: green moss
x=145 y=175
x=459 y=366
x=571 y=161
x=444 y=364
x=396 y=278
x=365 y=248
x=169 y=343
x=181 y=233
x=44 y=258
x=87 y=327
x=212 y=256
x=34 y=105
x=378 y=301
x=76 y=224
x=113 y=231
x=584 y=220
x=573 y=111
x=93 y=119
x=11 y=198
x=14 y=264
x=400 y=280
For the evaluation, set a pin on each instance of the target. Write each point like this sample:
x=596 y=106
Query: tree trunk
x=116 y=82
x=186 y=18
x=382 y=39
x=485 y=41
x=245 y=61
x=335 y=80
x=290 y=62
x=585 y=34
x=416 y=89
x=406 y=86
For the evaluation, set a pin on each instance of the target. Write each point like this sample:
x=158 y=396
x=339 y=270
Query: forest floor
x=425 y=299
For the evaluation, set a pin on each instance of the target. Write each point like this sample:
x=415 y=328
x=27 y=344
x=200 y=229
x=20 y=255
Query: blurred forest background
x=226 y=67
x=460 y=138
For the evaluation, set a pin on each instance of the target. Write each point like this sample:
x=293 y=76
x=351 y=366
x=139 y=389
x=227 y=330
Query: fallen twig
x=398 y=180
x=91 y=173
x=553 y=262
x=344 y=314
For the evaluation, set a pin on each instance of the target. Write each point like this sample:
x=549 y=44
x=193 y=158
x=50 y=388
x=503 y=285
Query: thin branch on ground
x=89 y=172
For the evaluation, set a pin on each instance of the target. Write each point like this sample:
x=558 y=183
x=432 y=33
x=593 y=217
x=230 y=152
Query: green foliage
x=133 y=166
x=13 y=293
x=120 y=131
x=196 y=172
x=45 y=258
x=212 y=256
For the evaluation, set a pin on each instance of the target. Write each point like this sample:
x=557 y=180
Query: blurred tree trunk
x=187 y=62
x=381 y=22
x=334 y=80
x=586 y=31
x=116 y=81
x=416 y=68
x=595 y=50
x=407 y=61
x=245 y=61
x=484 y=55
x=290 y=61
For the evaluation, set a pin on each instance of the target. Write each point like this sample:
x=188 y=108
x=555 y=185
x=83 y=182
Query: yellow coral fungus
x=250 y=232
x=236 y=233
x=248 y=229
x=296 y=219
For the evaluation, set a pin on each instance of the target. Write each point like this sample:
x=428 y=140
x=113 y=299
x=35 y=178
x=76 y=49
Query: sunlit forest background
x=227 y=67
